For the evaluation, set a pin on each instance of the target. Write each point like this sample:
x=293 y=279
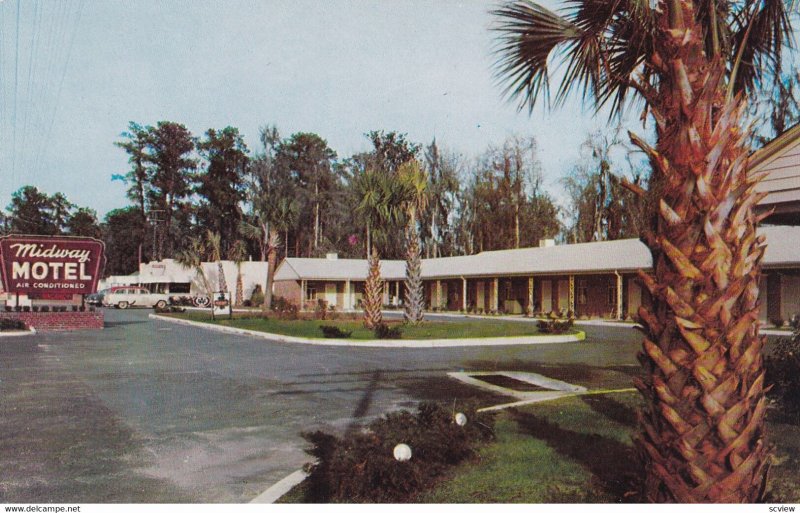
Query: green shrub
x=778 y=322
x=554 y=326
x=321 y=310
x=383 y=331
x=257 y=297
x=360 y=467
x=334 y=332
x=284 y=309
x=783 y=372
x=11 y=324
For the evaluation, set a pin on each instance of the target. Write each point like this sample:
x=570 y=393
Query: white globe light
x=402 y=452
x=461 y=419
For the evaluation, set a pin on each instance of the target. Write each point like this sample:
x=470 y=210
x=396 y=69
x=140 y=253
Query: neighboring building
x=780 y=160
x=594 y=279
x=169 y=277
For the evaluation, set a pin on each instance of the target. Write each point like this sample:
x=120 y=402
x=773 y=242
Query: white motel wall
x=169 y=277
x=596 y=279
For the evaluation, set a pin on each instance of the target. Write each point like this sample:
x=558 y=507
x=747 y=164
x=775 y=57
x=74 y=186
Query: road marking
x=279 y=489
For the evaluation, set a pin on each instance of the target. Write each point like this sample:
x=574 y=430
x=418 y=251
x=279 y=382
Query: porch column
x=495 y=294
x=463 y=293
x=385 y=292
x=397 y=293
x=348 y=300
x=438 y=294
x=529 y=309
x=619 y=296
x=572 y=294
x=302 y=294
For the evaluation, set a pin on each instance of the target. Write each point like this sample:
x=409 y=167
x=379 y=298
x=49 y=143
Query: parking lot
x=149 y=411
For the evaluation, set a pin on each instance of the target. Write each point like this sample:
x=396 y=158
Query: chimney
x=332 y=256
x=547 y=243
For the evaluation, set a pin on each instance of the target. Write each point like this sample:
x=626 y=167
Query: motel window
x=311 y=293
x=583 y=293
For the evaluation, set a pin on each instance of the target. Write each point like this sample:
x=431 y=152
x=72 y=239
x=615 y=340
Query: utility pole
x=154 y=219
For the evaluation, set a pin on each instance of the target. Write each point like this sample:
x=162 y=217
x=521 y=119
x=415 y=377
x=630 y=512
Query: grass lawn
x=575 y=450
x=430 y=329
x=579 y=450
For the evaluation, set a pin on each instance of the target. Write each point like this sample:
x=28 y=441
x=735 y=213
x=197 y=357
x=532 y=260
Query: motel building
x=595 y=279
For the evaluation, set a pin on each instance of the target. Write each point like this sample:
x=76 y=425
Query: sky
x=73 y=74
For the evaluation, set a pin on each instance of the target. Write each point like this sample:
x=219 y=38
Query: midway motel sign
x=50 y=267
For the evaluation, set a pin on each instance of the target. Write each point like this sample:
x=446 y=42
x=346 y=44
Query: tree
x=693 y=65
x=504 y=190
x=83 y=223
x=31 y=212
x=373 y=292
x=221 y=185
x=170 y=147
x=414 y=183
x=123 y=232
x=191 y=257
x=136 y=143
x=238 y=253
x=600 y=207
x=213 y=249
x=437 y=232
x=308 y=160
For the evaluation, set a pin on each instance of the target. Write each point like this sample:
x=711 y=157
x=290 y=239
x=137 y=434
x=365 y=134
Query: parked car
x=124 y=297
x=96 y=299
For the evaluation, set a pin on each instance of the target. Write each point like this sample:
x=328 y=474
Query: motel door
x=330 y=294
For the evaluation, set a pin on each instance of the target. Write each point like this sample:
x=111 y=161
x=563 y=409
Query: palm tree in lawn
x=214 y=249
x=693 y=65
x=413 y=183
x=192 y=258
x=238 y=253
x=378 y=195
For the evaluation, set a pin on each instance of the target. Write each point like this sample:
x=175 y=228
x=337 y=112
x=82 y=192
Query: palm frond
x=760 y=32
x=600 y=43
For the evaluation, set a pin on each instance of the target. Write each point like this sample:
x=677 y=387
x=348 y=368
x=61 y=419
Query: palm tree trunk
x=703 y=429
x=223 y=283
x=414 y=304
x=239 y=285
x=373 y=293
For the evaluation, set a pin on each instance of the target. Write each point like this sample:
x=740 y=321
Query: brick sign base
x=58 y=321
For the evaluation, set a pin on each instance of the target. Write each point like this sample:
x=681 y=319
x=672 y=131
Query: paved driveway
x=148 y=411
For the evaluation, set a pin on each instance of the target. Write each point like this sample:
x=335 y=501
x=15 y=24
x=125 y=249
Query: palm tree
x=413 y=183
x=213 y=247
x=192 y=258
x=379 y=195
x=238 y=253
x=693 y=66
x=273 y=243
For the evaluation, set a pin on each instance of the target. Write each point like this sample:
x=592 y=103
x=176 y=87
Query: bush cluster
x=555 y=326
x=384 y=331
x=334 y=332
x=170 y=309
x=257 y=297
x=783 y=371
x=360 y=467
x=283 y=309
x=11 y=324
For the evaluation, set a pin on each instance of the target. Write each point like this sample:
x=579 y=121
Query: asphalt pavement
x=149 y=411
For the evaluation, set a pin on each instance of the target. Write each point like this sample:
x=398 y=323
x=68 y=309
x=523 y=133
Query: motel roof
x=628 y=255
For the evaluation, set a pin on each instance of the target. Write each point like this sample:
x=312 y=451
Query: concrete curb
x=586 y=322
x=416 y=344
x=281 y=488
x=31 y=331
